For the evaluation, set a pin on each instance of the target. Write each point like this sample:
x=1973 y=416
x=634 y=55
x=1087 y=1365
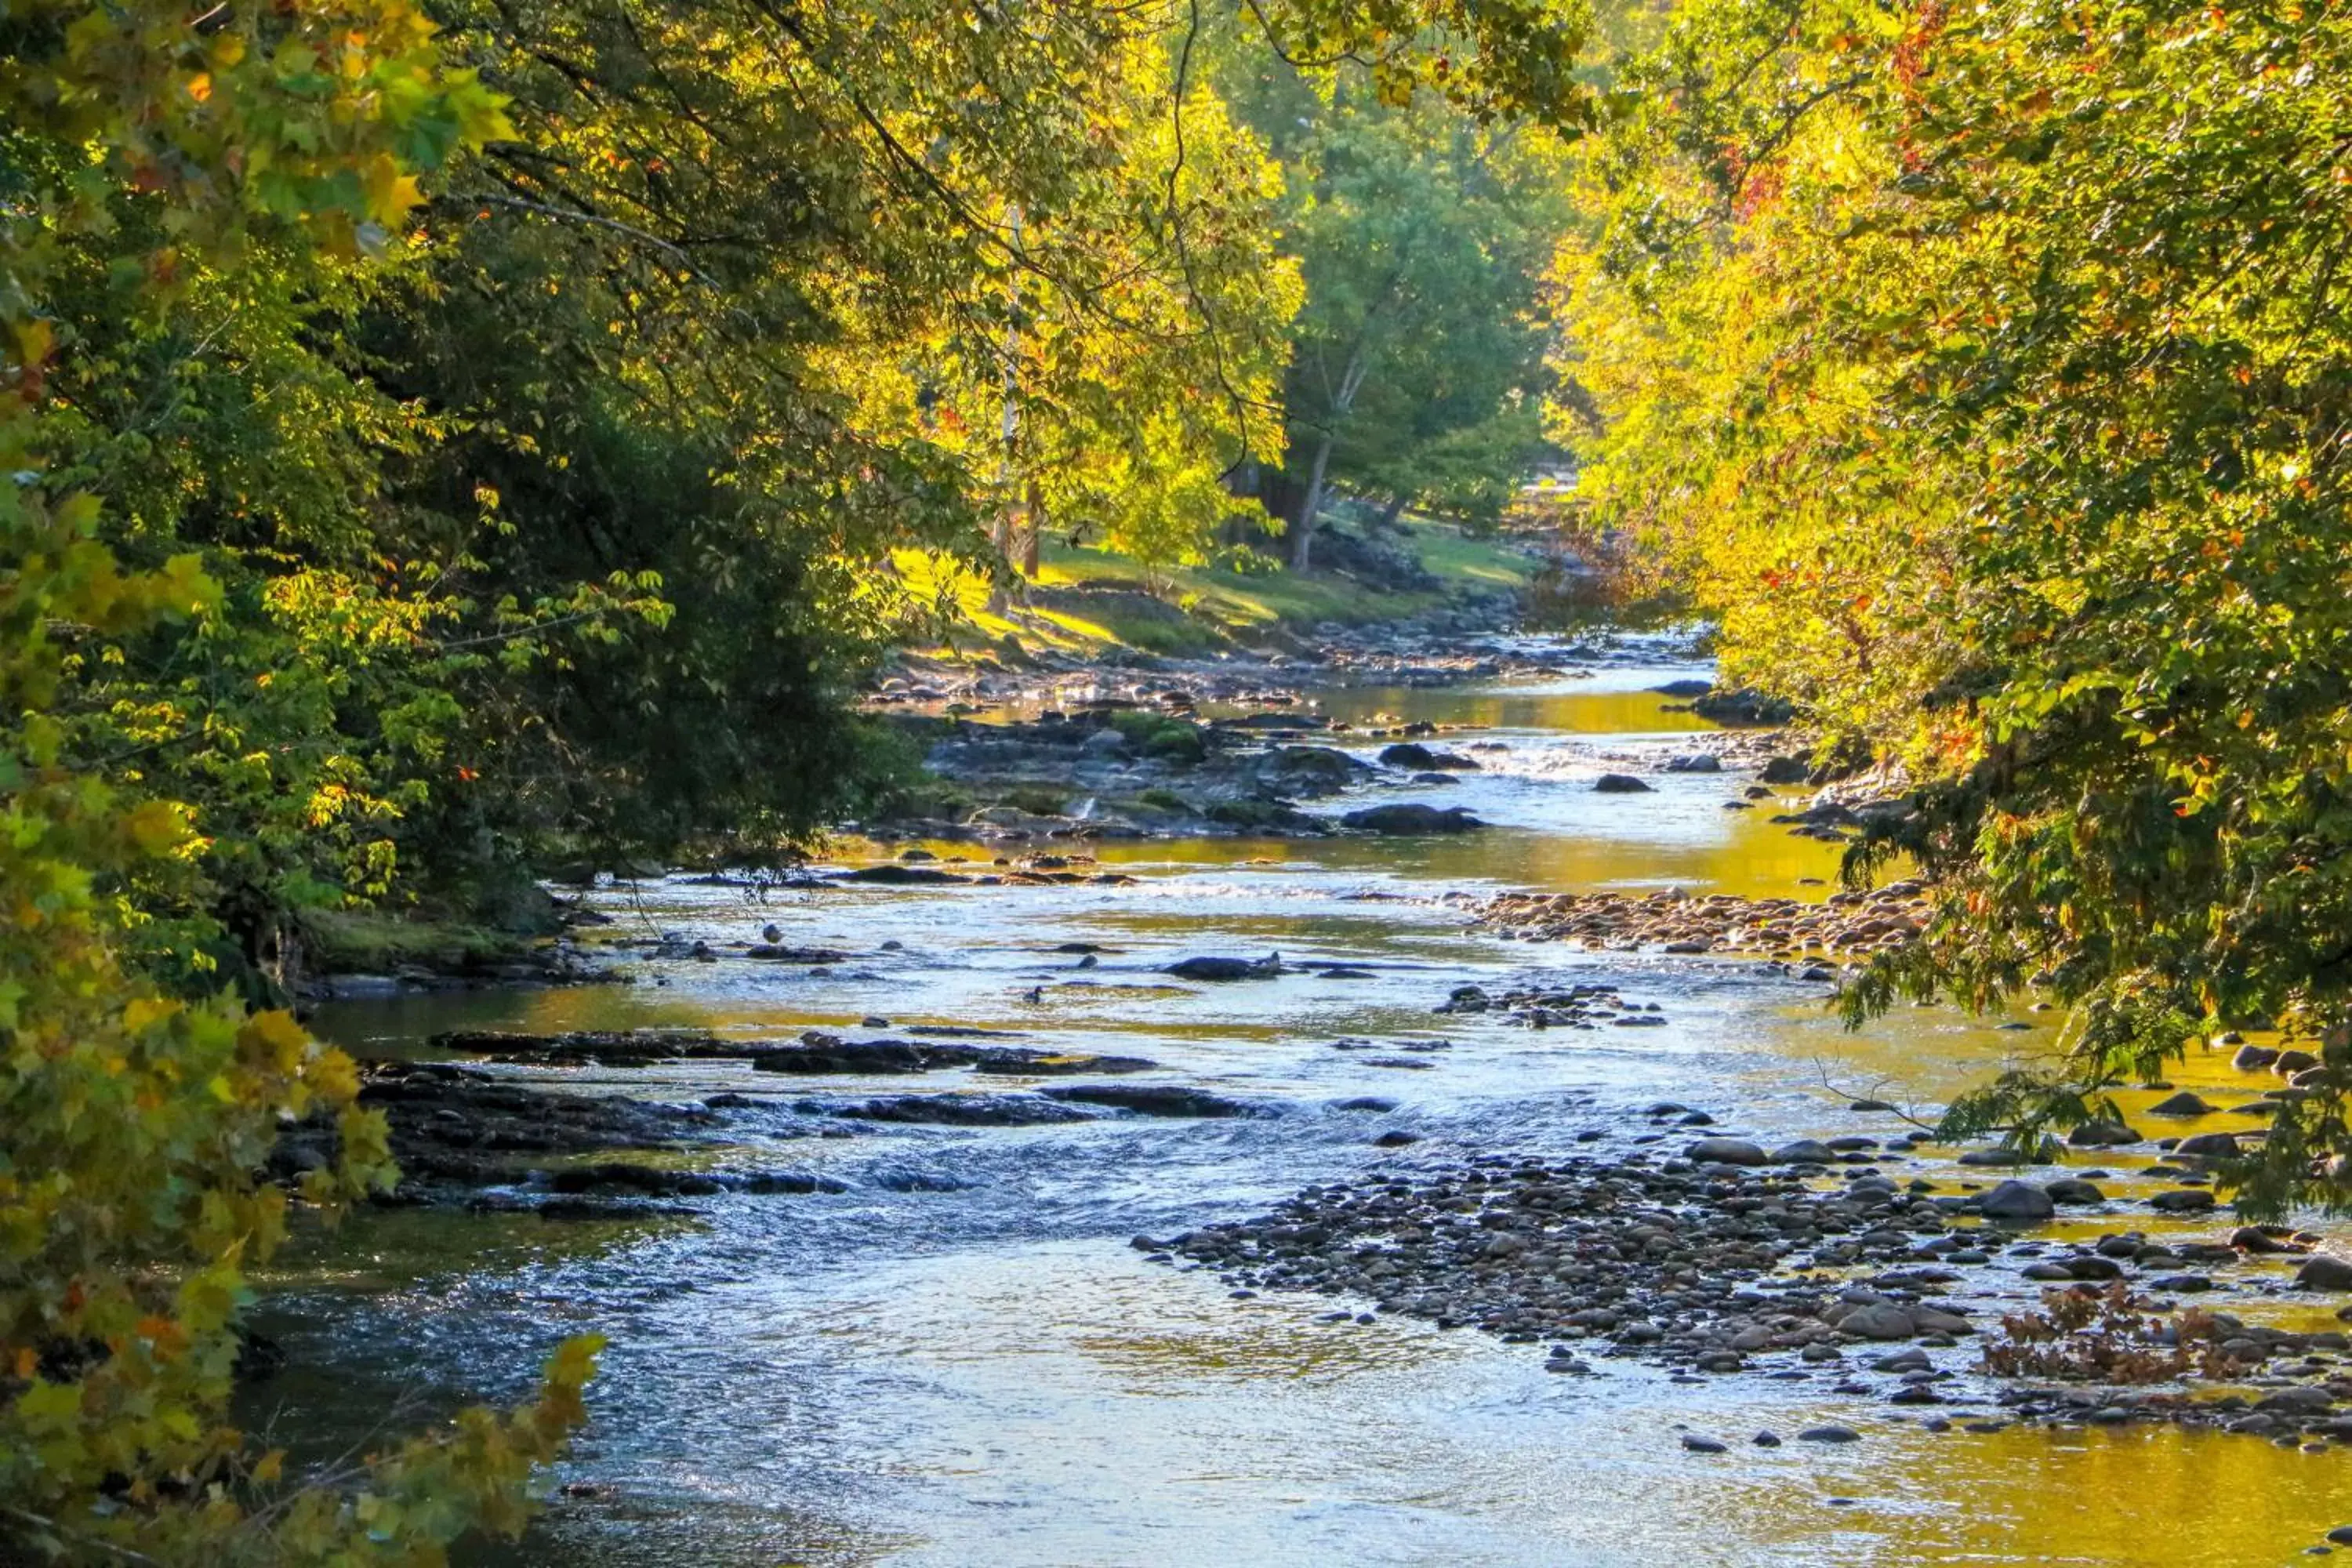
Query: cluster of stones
x=1666 y=1260
x=456 y=1130
x=1711 y=1263
x=1071 y=1102
x=2294 y=1414
x=1577 y=1006
x=1847 y=923
x=815 y=1053
x=1422 y=654
x=2195 y=1156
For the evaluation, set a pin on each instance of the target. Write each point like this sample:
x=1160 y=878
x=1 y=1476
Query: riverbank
x=1089 y=605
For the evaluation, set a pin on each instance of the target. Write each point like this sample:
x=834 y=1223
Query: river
x=959 y=1361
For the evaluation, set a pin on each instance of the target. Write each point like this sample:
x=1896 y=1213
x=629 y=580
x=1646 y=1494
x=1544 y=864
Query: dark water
x=960 y=1361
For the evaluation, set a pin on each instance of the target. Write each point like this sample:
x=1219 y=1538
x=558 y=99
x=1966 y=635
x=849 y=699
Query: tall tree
x=1424 y=236
x=2014 y=380
x=151 y=158
x=419 y=448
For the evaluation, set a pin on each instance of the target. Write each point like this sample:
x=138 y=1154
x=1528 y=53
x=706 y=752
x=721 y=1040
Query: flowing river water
x=959 y=1361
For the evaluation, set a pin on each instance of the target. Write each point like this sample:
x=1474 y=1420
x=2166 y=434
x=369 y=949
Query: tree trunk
x=1302 y=527
x=1000 y=538
x=1033 y=530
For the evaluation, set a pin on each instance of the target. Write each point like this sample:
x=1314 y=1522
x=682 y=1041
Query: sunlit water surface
x=988 y=1374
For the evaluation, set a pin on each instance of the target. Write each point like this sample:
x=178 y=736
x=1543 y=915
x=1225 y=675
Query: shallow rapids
x=959 y=1361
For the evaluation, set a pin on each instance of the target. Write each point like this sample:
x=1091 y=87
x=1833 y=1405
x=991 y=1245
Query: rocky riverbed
x=1186 y=759
x=1845 y=924
x=1502 y=1167
x=1807 y=1262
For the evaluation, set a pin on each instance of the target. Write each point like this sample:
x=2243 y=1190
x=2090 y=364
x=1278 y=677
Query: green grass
x=1239 y=603
x=1086 y=599
x=370 y=942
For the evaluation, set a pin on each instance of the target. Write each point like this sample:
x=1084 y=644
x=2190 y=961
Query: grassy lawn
x=1086 y=598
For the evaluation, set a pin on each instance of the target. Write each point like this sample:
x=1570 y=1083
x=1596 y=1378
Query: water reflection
x=990 y=1375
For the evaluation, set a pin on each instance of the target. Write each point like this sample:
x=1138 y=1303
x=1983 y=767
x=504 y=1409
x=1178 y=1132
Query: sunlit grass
x=1194 y=609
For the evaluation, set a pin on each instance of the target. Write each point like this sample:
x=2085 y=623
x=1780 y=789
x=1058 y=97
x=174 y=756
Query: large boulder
x=1406 y=820
x=1726 y=1151
x=1619 y=783
x=2209 y=1146
x=2017 y=1200
x=2323 y=1272
x=1415 y=757
x=1878 y=1321
x=902 y=876
x=1213 y=966
x=1308 y=770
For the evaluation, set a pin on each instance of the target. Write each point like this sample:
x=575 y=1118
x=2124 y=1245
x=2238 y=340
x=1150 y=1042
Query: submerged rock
x=956 y=1110
x=900 y=876
x=1151 y=1098
x=2018 y=1200
x=1619 y=783
x=614 y=1176
x=1831 y=1434
x=1413 y=757
x=777 y=953
x=1406 y=820
x=1217 y=967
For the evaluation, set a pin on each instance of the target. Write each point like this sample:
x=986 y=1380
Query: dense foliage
x=148 y=160
x=1416 y=369
x=1986 y=371
x=430 y=445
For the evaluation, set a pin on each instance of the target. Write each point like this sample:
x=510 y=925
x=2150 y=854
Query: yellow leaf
x=145 y=1013
x=157 y=827
x=278 y=1036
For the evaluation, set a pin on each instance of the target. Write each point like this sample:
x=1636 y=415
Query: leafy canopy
x=1986 y=374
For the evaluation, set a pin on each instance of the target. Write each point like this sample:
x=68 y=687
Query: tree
x=418 y=451
x=2042 y=307
x=149 y=152
x=1423 y=237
